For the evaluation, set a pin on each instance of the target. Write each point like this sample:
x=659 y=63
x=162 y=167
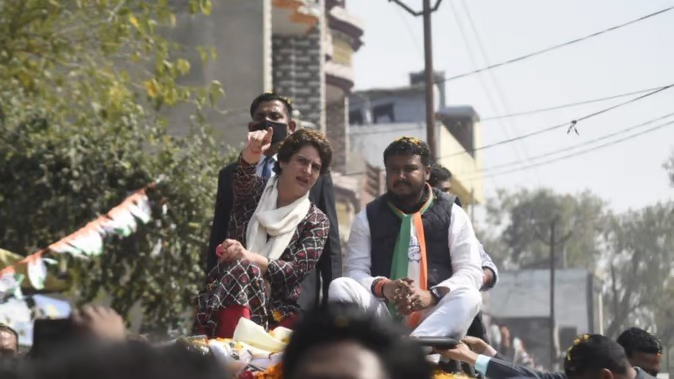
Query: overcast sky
x=640 y=56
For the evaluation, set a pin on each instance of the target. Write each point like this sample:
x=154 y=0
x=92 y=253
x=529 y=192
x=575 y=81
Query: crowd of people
x=413 y=272
x=335 y=341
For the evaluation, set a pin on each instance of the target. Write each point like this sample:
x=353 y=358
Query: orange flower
x=272 y=372
x=278 y=316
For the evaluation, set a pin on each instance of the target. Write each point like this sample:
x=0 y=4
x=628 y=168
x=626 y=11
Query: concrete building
x=379 y=116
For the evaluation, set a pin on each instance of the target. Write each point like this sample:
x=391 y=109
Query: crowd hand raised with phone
x=102 y=322
x=407 y=297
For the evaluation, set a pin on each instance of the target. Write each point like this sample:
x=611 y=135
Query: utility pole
x=428 y=69
x=553 y=242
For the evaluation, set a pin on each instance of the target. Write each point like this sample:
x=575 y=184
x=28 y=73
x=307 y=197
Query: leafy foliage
x=524 y=218
x=83 y=83
x=639 y=283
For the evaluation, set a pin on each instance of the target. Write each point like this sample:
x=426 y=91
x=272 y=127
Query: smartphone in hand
x=280 y=130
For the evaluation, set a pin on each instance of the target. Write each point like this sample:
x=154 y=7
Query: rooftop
x=458 y=111
x=380 y=92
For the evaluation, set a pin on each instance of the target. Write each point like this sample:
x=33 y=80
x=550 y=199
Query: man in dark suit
x=591 y=356
x=274 y=108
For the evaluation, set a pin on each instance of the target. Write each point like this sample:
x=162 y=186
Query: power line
x=524 y=113
x=410 y=32
x=554 y=152
x=543 y=51
x=478 y=173
x=580 y=152
x=571 y=123
x=568 y=105
x=555 y=47
x=483 y=83
x=532 y=54
x=497 y=85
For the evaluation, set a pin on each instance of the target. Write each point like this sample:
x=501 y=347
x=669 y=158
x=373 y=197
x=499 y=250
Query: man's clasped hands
x=406 y=296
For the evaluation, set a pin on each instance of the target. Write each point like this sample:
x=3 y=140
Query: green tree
x=83 y=84
x=520 y=228
x=639 y=289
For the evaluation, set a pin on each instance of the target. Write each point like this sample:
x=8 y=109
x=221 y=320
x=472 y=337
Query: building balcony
x=342 y=52
x=295 y=17
x=339 y=79
x=341 y=20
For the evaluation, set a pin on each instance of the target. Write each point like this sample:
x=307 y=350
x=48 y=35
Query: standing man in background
x=270 y=109
x=441 y=178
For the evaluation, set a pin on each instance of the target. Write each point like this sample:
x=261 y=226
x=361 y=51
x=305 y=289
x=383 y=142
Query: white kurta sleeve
x=359 y=258
x=465 y=252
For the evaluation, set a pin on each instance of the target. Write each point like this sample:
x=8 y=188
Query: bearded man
x=413 y=255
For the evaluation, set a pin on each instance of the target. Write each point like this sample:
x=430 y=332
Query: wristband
x=378 y=287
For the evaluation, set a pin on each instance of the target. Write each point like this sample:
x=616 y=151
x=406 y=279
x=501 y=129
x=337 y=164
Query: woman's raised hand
x=259 y=141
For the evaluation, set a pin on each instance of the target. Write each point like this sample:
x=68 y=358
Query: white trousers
x=451 y=317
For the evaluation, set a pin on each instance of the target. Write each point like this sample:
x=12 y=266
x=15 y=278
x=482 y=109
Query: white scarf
x=279 y=223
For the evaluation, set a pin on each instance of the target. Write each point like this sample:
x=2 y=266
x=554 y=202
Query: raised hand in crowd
x=102 y=322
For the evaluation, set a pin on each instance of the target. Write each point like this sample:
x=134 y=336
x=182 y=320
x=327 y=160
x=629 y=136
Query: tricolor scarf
x=409 y=253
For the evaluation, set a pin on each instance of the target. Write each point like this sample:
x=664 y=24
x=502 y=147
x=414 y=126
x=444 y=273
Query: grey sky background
x=640 y=56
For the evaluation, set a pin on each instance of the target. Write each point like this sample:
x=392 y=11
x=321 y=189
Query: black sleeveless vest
x=385 y=227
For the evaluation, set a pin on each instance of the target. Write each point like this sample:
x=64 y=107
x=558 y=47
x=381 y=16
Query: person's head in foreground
x=130 y=361
x=441 y=178
x=342 y=342
x=13 y=367
x=408 y=167
x=593 y=356
x=9 y=341
x=643 y=349
x=272 y=107
x=302 y=158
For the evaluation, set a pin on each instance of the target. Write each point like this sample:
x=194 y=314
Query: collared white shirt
x=270 y=162
x=463 y=248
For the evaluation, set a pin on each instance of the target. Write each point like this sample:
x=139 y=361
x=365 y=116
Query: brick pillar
x=283 y=62
x=338 y=134
x=298 y=73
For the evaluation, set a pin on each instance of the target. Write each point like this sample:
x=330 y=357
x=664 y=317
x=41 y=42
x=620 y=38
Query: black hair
x=400 y=357
x=409 y=146
x=7 y=328
x=130 y=361
x=439 y=174
x=638 y=340
x=296 y=141
x=271 y=96
x=591 y=353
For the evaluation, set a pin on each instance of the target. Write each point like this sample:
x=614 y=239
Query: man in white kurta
x=447 y=308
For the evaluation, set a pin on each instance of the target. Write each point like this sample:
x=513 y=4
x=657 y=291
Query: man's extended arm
x=495 y=368
x=330 y=264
